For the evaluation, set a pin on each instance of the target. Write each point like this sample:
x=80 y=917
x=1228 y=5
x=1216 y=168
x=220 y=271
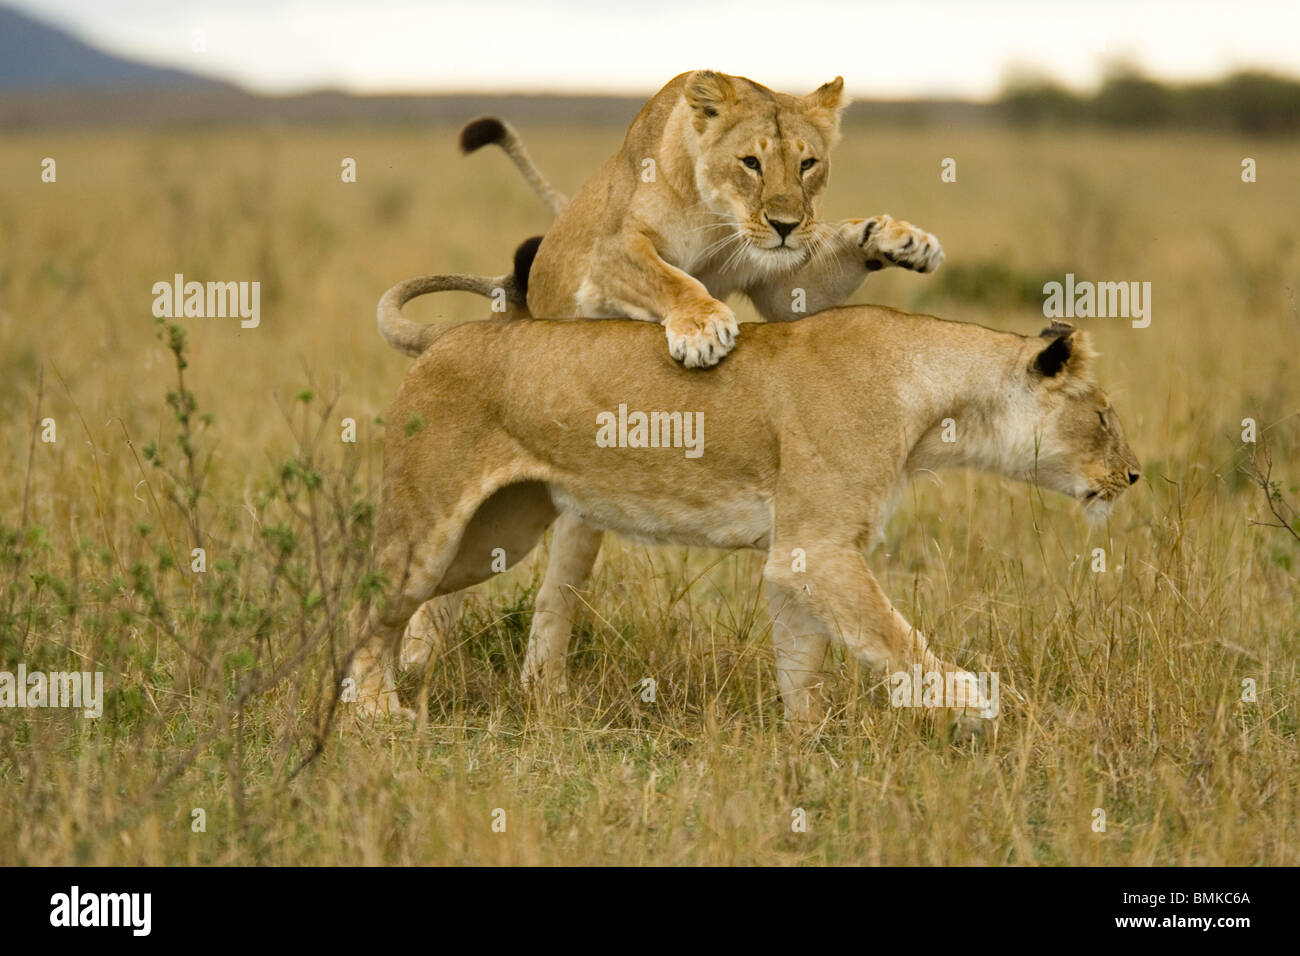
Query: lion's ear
x=1067 y=350
x=825 y=104
x=708 y=92
x=828 y=96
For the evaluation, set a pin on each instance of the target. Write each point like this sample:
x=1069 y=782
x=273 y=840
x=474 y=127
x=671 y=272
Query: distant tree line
x=1251 y=102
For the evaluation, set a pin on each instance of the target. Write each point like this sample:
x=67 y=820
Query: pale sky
x=894 y=49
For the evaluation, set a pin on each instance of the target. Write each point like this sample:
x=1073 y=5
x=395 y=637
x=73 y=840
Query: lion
x=797 y=446
x=715 y=191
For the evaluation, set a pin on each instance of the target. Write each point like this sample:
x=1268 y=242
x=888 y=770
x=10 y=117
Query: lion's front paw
x=967 y=728
x=545 y=689
x=973 y=711
x=700 y=338
x=888 y=241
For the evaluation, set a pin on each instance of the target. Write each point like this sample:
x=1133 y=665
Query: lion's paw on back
x=701 y=338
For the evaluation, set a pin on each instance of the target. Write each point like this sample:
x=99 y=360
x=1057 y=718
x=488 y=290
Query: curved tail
x=510 y=290
x=413 y=338
x=489 y=130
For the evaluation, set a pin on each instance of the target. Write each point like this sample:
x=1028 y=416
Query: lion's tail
x=412 y=338
x=489 y=130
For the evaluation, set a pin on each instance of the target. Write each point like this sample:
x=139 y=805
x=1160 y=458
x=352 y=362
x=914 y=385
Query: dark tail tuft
x=524 y=257
x=481 y=132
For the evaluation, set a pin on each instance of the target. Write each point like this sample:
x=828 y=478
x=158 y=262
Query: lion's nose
x=1133 y=476
x=783 y=227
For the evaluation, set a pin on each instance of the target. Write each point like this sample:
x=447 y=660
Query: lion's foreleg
x=799 y=643
x=838 y=591
x=635 y=281
x=842 y=257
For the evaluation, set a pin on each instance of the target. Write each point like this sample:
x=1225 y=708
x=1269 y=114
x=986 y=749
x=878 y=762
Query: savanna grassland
x=1120 y=690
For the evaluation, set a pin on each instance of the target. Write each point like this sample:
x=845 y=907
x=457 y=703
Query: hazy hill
x=38 y=56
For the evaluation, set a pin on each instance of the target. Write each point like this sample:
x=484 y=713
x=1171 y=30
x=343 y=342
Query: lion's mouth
x=1098 y=497
x=766 y=241
x=1096 y=506
x=779 y=259
x=1098 y=503
x=784 y=250
x=1106 y=492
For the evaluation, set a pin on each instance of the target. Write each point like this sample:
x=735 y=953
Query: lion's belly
x=740 y=522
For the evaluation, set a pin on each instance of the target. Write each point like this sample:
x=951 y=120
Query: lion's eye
x=751 y=162
x=807 y=164
x=1101 y=416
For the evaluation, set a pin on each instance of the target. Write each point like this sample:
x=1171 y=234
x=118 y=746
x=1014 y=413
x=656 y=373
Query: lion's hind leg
x=503 y=530
x=408 y=577
x=429 y=629
x=573 y=554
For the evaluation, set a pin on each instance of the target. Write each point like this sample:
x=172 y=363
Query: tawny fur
x=669 y=226
x=676 y=221
x=810 y=430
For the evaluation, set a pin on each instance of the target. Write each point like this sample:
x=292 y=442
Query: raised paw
x=888 y=241
x=700 y=338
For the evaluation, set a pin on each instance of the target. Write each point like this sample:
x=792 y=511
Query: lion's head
x=1078 y=445
x=762 y=162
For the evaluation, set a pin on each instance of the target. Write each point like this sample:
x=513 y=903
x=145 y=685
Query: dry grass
x=1121 y=691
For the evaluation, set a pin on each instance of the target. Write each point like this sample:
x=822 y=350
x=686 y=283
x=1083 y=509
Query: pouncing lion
x=714 y=191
